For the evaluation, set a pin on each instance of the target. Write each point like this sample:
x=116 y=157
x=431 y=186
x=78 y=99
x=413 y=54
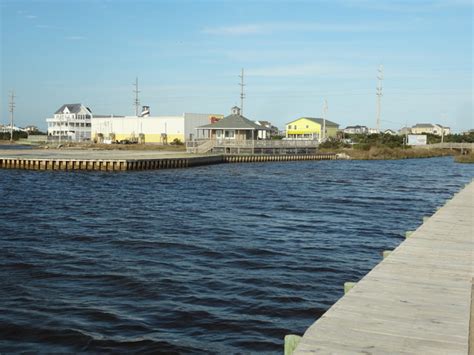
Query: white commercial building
x=150 y=129
x=75 y=122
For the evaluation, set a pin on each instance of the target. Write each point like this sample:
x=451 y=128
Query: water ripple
x=214 y=259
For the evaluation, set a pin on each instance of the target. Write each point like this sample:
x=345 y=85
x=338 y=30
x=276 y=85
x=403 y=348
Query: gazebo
x=234 y=127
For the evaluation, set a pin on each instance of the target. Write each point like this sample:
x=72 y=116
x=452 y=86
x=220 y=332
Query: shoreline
x=386 y=153
x=146 y=157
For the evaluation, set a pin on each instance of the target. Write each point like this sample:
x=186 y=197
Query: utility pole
x=137 y=99
x=137 y=105
x=11 y=109
x=379 y=95
x=406 y=133
x=444 y=118
x=242 y=95
x=325 y=112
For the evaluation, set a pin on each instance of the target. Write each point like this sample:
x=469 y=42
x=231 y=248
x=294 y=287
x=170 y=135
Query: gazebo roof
x=234 y=121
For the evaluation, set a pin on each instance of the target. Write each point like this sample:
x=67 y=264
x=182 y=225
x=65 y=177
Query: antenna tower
x=325 y=112
x=242 y=94
x=379 y=94
x=137 y=99
x=11 y=106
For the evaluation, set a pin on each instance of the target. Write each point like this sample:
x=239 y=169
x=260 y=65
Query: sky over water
x=188 y=54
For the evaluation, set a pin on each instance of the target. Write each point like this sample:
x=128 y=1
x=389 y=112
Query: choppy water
x=217 y=259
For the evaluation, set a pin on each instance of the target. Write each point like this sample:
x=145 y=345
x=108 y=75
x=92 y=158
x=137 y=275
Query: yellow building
x=310 y=128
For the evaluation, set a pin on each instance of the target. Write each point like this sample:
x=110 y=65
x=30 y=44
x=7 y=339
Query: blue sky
x=188 y=55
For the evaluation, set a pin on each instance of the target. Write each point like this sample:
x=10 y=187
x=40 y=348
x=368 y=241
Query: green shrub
x=177 y=141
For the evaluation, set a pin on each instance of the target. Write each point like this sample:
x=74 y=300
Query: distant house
x=390 y=131
x=30 y=129
x=356 y=130
x=233 y=127
x=373 y=131
x=404 y=131
x=310 y=128
x=431 y=128
x=6 y=128
x=270 y=131
x=70 y=122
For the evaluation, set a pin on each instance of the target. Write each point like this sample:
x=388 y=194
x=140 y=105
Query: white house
x=436 y=129
x=356 y=129
x=70 y=122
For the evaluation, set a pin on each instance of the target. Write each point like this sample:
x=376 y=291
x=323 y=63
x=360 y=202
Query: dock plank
x=416 y=301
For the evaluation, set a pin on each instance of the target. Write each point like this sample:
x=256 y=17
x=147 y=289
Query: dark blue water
x=217 y=259
x=14 y=146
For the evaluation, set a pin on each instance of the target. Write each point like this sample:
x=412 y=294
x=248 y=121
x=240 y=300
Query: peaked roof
x=423 y=125
x=234 y=122
x=318 y=120
x=73 y=108
x=357 y=126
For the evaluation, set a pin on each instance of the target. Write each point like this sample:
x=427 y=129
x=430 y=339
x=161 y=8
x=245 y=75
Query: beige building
x=430 y=128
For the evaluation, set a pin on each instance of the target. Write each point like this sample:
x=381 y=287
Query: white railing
x=203 y=144
x=449 y=146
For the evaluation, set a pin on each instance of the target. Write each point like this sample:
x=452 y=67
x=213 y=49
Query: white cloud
x=272 y=28
x=31 y=17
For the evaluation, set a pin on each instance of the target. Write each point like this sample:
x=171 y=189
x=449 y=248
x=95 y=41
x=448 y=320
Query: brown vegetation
x=385 y=153
x=467 y=158
x=97 y=146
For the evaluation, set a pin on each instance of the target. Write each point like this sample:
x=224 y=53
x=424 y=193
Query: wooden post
x=348 y=286
x=291 y=342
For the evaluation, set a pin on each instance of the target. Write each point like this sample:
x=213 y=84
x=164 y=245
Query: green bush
x=177 y=141
x=16 y=135
x=333 y=143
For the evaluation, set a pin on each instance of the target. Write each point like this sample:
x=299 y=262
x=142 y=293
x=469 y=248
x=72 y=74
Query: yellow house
x=310 y=128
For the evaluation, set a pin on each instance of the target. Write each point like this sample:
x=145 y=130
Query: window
x=219 y=133
x=230 y=134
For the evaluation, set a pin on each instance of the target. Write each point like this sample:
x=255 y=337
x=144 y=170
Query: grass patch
x=386 y=153
x=467 y=158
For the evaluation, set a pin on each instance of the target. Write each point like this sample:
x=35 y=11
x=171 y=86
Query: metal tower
x=379 y=94
x=242 y=94
x=137 y=99
x=11 y=106
x=325 y=112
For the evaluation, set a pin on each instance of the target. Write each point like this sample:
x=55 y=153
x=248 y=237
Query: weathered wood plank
x=417 y=300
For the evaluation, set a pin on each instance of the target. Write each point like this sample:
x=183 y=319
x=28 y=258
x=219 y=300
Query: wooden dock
x=416 y=301
x=131 y=160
